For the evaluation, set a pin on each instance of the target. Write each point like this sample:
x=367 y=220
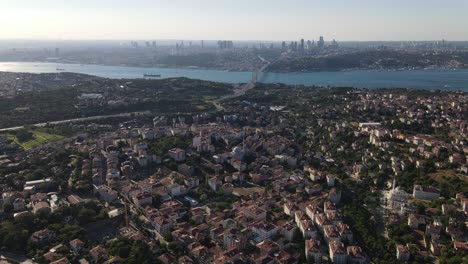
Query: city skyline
x=362 y=20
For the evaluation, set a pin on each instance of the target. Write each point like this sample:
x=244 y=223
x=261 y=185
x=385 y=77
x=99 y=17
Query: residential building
x=312 y=251
x=337 y=252
x=402 y=253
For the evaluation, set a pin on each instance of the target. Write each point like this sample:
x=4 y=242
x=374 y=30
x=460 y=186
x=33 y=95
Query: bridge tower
x=254 y=76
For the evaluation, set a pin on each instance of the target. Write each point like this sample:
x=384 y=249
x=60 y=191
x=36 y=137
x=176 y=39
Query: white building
x=308 y=229
x=33 y=186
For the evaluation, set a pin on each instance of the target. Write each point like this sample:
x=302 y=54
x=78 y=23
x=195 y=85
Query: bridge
x=259 y=71
x=250 y=85
x=245 y=87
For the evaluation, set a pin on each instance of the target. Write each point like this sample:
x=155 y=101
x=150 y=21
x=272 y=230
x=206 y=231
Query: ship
x=152 y=75
x=60 y=69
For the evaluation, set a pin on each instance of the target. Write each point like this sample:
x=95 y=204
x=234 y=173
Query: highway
x=91 y=118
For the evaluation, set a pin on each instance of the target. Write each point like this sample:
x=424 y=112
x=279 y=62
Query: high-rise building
x=283 y=45
x=321 y=42
x=225 y=44
x=202 y=44
x=302 y=44
x=334 y=44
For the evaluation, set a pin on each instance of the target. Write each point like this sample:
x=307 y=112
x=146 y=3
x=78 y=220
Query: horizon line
x=240 y=40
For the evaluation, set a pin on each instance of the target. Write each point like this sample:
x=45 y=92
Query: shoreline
x=429 y=79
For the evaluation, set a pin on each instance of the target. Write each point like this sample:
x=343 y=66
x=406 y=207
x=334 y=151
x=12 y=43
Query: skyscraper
x=334 y=44
x=321 y=42
x=225 y=44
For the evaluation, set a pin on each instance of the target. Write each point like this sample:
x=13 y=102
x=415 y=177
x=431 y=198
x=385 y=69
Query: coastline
x=432 y=79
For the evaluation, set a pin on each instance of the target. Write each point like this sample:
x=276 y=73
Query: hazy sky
x=235 y=19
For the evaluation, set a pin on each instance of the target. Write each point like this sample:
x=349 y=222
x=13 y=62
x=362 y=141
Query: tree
x=86 y=215
x=140 y=253
x=120 y=247
x=13 y=237
x=8 y=208
x=24 y=135
x=203 y=197
x=156 y=200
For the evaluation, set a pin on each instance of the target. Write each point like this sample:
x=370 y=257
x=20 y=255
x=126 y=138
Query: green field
x=442 y=176
x=40 y=138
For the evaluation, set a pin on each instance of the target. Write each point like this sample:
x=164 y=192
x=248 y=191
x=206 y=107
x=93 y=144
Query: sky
x=345 y=20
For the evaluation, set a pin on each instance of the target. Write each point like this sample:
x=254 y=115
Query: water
x=424 y=79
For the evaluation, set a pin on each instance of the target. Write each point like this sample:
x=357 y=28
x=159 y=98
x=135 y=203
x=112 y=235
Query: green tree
x=23 y=135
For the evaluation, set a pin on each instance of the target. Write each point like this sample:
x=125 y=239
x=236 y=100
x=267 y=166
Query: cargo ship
x=152 y=75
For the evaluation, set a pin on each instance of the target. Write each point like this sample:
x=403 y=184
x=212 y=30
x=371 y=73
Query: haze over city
x=360 y=20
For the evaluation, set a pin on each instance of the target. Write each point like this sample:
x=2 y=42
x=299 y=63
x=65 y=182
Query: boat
x=60 y=69
x=152 y=75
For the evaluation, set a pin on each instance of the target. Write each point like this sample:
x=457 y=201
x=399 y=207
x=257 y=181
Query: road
x=91 y=118
x=267 y=63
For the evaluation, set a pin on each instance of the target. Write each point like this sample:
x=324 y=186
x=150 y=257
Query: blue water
x=426 y=79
